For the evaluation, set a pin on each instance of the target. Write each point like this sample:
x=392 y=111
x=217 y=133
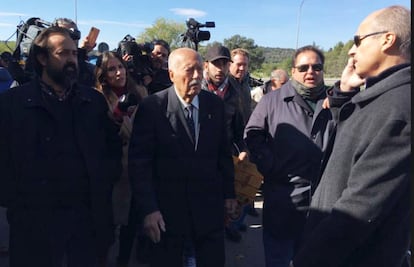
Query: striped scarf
x=218 y=90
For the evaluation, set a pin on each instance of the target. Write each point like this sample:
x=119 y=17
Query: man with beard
x=216 y=81
x=58 y=158
x=86 y=74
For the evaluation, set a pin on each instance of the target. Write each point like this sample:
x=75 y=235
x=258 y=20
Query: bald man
x=278 y=77
x=360 y=211
x=181 y=168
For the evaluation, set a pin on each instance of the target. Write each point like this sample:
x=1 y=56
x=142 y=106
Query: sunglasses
x=315 y=67
x=359 y=38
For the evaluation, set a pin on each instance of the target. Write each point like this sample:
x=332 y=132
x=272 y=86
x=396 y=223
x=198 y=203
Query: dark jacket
x=28 y=126
x=233 y=109
x=285 y=139
x=160 y=81
x=86 y=69
x=243 y=89
x=360 y=212
x=187 y=186
x=267 y=86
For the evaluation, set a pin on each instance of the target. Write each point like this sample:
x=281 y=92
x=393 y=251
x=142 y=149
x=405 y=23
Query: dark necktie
x=190 y=120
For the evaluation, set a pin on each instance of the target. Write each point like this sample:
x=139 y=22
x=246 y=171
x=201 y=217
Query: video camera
x=194 y=34
x=254 y=82
x=140 y=65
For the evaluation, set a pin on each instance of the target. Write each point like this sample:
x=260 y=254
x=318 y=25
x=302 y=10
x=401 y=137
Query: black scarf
x=310 y=94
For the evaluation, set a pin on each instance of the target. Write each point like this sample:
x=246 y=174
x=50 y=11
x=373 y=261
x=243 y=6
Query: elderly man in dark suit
x=181 y=168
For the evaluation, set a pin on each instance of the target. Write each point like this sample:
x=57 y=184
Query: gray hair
x=278 y=74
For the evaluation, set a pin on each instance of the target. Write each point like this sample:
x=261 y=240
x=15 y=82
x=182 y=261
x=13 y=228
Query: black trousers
x=50 y=237
x=209 y=250
x=127 y=235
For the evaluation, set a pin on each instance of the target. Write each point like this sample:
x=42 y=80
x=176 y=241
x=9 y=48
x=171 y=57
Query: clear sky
x=272 y=23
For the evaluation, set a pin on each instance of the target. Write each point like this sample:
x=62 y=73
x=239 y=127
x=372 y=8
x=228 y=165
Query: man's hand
x=153 y=223
x=242 y=156
x=350 y=79
x=87 y=45
x=230 y=205
x=325 y=104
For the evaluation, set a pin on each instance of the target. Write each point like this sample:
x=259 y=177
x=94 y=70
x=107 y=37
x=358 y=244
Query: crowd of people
x=91 y=150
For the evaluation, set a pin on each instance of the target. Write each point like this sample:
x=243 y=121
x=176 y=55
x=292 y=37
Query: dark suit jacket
x=188 y=186
x=28 y=125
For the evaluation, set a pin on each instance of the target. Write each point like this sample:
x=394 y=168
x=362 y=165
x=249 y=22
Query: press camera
x=140 y=63
x=194 y=34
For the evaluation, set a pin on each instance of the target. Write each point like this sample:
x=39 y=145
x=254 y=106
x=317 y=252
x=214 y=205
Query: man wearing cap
x=216 y=80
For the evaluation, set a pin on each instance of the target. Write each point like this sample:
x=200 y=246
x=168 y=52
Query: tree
x=256 y=53
x=336 y=58
x=262 y=59
x=9 y=46
x=162 y=28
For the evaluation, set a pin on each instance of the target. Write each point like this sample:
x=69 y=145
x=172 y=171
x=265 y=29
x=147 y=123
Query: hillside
x=275 y=55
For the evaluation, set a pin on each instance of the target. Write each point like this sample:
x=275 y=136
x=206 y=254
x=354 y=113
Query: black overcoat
x=360 y=212
x=28 y=125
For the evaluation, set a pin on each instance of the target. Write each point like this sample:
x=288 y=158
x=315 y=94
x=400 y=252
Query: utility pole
x=76 y=12
x=299 y=13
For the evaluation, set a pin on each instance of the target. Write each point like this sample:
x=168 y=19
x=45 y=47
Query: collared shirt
x=195 y=113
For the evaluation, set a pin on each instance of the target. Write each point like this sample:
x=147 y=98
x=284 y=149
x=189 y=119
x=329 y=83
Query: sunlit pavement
x=249 y=252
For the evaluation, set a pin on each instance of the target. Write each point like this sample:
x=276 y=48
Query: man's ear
x=42 y=59
x=171 y=73
x=389 y=40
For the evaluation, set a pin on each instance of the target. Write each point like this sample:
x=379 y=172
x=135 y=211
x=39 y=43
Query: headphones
x=75 y=34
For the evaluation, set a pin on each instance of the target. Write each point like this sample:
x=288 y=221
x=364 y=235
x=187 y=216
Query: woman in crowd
x=123 y=95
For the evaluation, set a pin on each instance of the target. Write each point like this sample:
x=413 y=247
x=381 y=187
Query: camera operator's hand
x=147 y=79
x=127 y=57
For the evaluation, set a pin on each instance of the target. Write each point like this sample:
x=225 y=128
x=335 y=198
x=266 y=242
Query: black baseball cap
x=216 y=52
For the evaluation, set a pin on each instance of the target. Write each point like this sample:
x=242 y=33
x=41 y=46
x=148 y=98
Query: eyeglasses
x=359 y=38
x=315 y=67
